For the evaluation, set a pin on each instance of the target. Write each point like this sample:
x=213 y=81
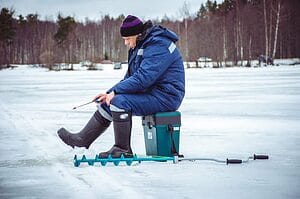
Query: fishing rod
x=95 y=100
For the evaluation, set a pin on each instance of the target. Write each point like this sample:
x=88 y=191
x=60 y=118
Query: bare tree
x=185 y=13
x=266 y=29
x=276 y=27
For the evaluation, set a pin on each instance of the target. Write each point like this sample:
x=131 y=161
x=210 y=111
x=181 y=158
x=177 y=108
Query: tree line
x=231 y=31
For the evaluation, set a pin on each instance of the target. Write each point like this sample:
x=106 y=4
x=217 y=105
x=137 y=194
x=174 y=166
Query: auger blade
x=117 y=161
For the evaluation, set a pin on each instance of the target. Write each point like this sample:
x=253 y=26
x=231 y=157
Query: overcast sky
x=94 y=9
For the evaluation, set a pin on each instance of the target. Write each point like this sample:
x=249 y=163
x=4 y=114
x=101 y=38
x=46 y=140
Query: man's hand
x=109 y=97
x=105 y=97
x=97 y=97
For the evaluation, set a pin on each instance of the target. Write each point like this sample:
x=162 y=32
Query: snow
x=227 y=113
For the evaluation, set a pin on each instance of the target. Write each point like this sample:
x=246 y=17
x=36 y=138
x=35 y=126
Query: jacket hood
x=151 y=30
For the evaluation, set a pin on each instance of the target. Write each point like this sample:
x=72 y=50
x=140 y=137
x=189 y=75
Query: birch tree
x=266 y=29
x=185 y=13
x=278 y=11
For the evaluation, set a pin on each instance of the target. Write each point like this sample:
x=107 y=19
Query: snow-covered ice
x=227 y=113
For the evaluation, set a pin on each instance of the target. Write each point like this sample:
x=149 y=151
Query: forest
x=230 y=31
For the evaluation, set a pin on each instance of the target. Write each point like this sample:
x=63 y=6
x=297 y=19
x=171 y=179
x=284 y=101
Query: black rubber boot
x=92 y=130
x=122 y=122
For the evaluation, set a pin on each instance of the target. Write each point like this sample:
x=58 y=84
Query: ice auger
x=174 y=159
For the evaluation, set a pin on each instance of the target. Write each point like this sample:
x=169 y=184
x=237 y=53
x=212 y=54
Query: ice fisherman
x=154 y=82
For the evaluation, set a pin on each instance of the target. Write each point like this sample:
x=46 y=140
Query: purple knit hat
x=131 y=26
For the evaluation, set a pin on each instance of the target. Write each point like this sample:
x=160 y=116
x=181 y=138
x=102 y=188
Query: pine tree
x=7 y=33
x=201 y=12
x=65 y=37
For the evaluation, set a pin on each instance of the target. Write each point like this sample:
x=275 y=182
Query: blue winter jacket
x=155 y=67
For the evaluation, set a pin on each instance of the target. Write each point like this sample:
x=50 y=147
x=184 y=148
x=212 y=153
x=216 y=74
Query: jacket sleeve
x=156 y=59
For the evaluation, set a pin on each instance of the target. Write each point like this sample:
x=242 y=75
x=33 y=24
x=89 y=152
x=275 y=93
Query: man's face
x=130 y=41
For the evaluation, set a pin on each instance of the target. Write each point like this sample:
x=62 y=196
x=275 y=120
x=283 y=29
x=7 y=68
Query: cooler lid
x=162 y=118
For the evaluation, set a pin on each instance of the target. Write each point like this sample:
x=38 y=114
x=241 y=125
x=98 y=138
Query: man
x=153 y=83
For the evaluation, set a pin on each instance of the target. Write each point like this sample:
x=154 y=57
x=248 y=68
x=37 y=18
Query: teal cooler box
x=161 y=133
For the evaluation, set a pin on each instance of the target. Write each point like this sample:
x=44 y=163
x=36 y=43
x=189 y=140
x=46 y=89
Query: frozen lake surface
x=227 y=113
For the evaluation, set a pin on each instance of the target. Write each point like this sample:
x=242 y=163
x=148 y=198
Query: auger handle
x=260 y=157
x=233 y=161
